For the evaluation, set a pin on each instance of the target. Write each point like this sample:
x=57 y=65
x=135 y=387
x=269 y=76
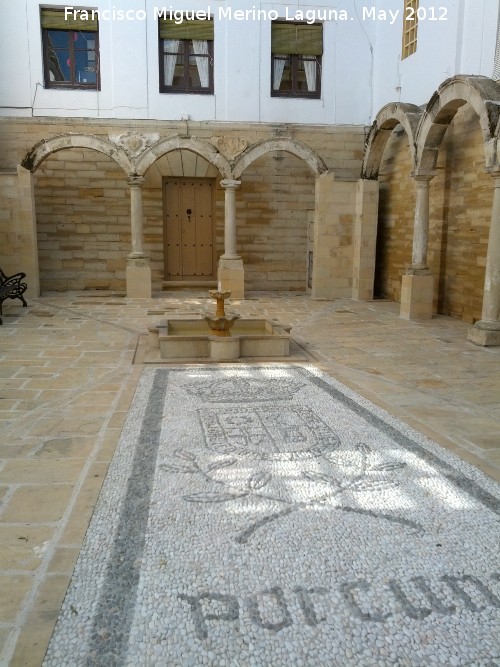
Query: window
x=296 y=59
x=70 y=51
x=410 y=25
x=186 y=56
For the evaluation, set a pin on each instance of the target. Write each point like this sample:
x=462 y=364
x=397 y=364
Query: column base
x=138 y=278
x=231 y=276
x=416 y=296
x=484 y=333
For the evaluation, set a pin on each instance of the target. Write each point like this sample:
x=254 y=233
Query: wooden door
x=189 y=229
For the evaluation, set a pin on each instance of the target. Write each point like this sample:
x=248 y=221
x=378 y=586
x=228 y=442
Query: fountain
x=221 y=325
x=219 y=338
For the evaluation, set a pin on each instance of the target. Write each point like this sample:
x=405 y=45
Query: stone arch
x=296 y=148
x=482 y=94
x=199 y=146
x=389 y=117
x=41 y=151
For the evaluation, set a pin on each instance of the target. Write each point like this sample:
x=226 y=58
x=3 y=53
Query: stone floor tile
x=35 y=633
x=13 y=590
x=37 y=503
x=72 y=447
x=22 y=546
x=13 y=450
x=41 y=471
x=108 y=444
x=63 y=560
x=82 y=510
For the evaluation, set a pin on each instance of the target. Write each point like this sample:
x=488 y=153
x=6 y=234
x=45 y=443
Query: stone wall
x=466 y=212
x=18 y=228
x=83 y=221
x=396 y=213
x=273 y=204
x=461 y=196
x=83 y=205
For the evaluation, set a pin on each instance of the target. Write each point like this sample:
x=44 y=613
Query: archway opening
x=83 y=221
x=183 y=217
x=395 y=216
x=460 y=213
x=275 y=215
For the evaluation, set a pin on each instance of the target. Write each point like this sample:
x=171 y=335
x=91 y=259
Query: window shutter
x=53 y=19
x=202 y=30
x=297 y=39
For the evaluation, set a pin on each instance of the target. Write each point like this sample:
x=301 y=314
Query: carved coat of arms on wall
x=134 y=142
x=231 y=147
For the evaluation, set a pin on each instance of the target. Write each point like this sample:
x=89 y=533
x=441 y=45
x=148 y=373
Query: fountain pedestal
x=224 y=339
x=224 y=348
x=220 y=324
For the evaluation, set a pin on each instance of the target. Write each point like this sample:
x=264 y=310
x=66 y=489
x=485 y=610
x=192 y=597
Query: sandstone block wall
x=83 y=221
x=461 y=196
x=83 y=205
x=466 y=209
x=276 y=193
x=396 y=213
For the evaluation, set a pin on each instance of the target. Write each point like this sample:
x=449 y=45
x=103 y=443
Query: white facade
x=454 y=37
x=361 y=65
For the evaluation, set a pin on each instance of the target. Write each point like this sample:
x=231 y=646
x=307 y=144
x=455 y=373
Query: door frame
x=190 y=279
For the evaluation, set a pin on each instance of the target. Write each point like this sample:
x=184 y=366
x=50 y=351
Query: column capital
x=422 y=178
x=495 y=175
x=230 y=184
x=135 y=180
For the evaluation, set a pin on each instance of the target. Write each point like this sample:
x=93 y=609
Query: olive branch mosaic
x=368 y=476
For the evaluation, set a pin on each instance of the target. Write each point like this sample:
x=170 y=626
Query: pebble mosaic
x=270 y=516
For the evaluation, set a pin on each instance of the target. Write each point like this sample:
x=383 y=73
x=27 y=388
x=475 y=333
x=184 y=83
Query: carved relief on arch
x=134 y=142
x=231 y=147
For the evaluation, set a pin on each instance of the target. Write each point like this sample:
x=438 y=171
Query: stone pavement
x=67 y=378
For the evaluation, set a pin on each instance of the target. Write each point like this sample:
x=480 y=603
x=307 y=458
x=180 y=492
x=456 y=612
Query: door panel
x=189 y=229
x=172 y=232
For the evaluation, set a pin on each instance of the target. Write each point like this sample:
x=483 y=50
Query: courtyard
x=70 y=365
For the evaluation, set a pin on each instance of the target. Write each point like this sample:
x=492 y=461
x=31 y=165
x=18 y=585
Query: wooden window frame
x=295 y=59
x=73 y=84
x=185 y=88
x=410 y=29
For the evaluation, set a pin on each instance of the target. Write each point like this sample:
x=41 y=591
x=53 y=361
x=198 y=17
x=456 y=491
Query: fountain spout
x=220 y=325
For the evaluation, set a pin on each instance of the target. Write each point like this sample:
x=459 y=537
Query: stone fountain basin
x=191 y=339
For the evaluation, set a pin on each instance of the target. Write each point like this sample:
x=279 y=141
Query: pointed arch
x=41 y=150
x=389 y=117
x=199 y=146
x=297 y=148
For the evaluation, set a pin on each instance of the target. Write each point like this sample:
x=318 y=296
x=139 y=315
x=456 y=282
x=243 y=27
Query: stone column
x=138 y=274
x=417 y=283
x=231 y=274
x=487 y=330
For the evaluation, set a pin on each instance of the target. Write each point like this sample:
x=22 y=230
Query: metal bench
x=11 y=287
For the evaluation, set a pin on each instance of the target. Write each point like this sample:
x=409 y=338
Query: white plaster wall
x=361 y=68
x=14 y=67
x=130 y=71
x=463 y=43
